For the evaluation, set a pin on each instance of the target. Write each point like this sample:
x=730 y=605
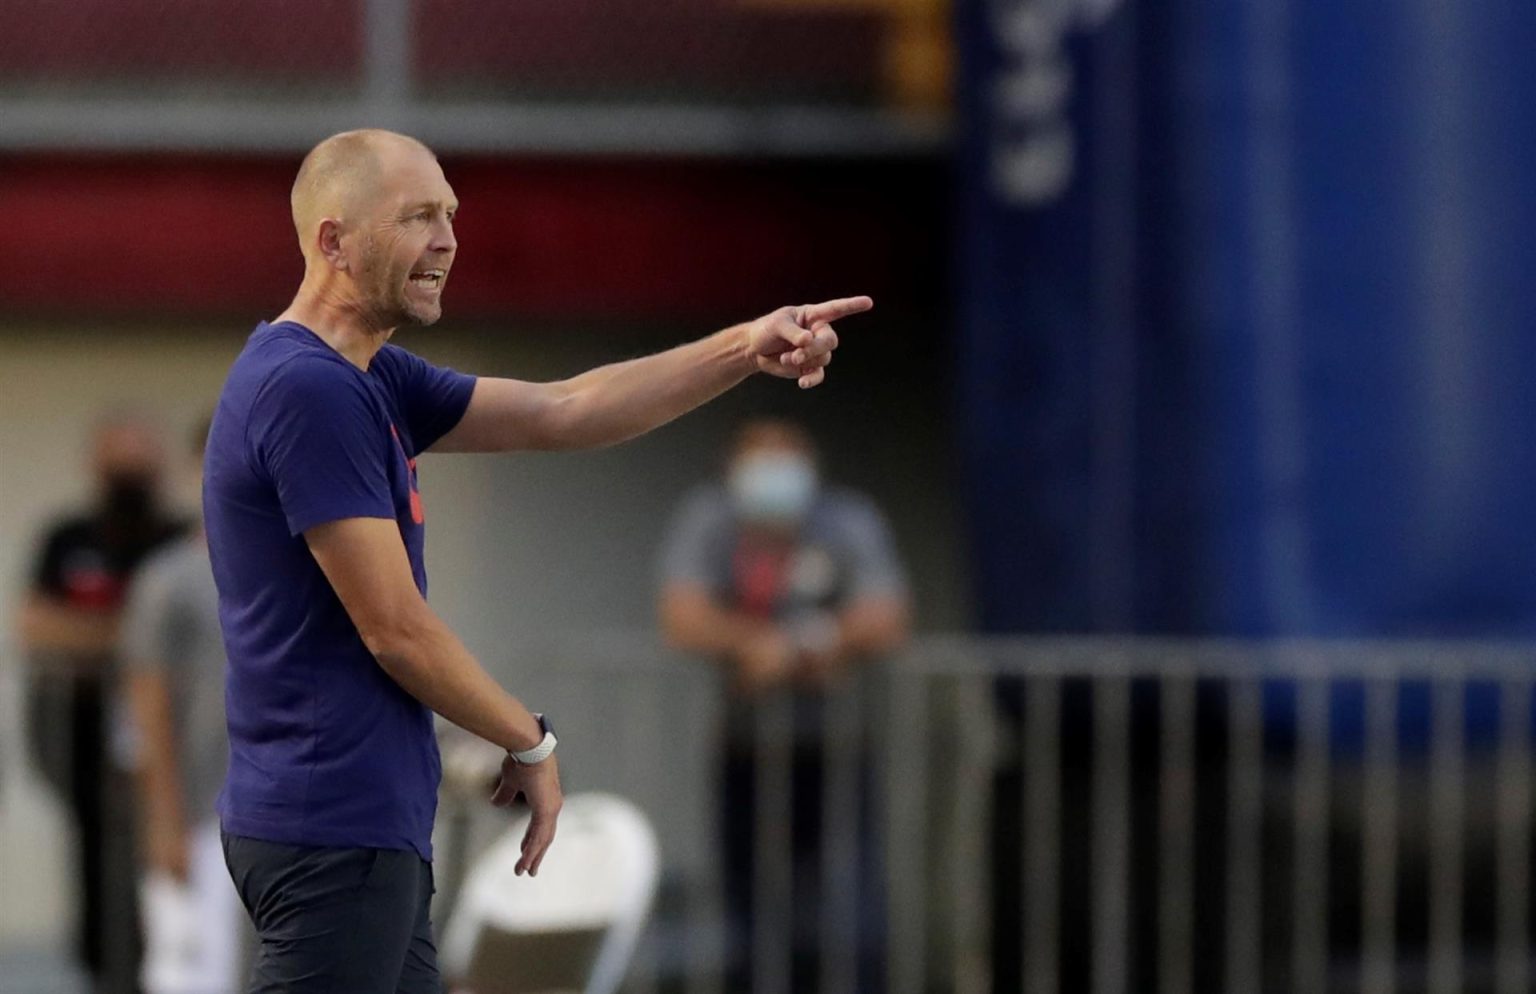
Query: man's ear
x=328 y=240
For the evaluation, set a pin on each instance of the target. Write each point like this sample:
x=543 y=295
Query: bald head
x=342 y=174
x=374 y=215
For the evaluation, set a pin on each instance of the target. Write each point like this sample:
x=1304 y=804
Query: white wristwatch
x=540 y=752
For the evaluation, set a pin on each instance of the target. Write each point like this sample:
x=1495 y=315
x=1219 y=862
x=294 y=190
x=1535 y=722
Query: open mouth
x=429 y=279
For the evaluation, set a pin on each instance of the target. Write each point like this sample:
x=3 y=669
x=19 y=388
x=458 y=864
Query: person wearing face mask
x=69 y=632
x=790 y=585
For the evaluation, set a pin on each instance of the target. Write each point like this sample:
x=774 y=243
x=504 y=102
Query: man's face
x=404 y=246
x=772 y=475
x=127 y=450
x=127 y=461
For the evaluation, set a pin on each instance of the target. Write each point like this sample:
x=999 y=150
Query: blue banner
x=1248 y=316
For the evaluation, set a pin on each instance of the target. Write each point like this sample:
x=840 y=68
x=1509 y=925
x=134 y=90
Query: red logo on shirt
x=418 y=510
x=760 y=573
x=93 y=589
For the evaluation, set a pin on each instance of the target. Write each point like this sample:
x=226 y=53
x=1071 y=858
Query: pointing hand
x=797 y=342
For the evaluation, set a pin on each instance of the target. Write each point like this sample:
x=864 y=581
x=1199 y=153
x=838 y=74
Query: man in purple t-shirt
x=315 y=528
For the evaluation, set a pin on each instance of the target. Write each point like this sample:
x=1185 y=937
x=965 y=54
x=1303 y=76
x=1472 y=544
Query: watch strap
x=540 y=752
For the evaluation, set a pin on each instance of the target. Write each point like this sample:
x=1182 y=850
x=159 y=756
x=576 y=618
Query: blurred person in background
x=173 y=660
x=790 y=585
x=69 y=626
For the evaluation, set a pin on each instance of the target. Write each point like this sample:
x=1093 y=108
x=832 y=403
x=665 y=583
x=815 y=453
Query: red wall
x=163 y=236
x=779 y=51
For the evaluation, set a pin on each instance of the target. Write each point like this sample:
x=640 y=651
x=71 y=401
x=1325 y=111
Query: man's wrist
x=747 y=633
x=523 y=737
x=542 y=750
x=741 y=342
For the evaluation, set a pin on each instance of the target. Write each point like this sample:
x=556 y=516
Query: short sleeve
x=151 y=634
x=323 y=442
x=876 y=569
x=689 y=550
x=432 y=399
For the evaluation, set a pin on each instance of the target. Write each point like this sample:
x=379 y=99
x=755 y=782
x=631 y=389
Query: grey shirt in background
x=171 y=623
x=844 y=553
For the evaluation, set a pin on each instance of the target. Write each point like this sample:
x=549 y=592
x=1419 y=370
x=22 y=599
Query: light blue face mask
x=773 y=488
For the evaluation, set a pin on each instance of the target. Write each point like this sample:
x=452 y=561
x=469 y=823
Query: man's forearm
x=693 y=622
x=50 y=626
x=617 y=402
x=162 y=811
x=433 y=666
x=872 y=627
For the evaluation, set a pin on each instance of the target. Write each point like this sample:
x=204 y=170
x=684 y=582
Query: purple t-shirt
x=325 y=749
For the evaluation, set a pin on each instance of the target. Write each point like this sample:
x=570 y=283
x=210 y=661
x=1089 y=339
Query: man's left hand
x=820 y=669
x=797 y=342
x=540 y=786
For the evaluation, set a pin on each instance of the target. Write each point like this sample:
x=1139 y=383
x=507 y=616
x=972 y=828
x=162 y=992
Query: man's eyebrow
x=449 y=205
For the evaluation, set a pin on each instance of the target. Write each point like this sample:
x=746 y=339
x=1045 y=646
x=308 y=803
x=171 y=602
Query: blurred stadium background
x=1198 y=394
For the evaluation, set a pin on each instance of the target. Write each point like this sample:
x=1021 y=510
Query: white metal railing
x=1131 y=759
x=1292 y=816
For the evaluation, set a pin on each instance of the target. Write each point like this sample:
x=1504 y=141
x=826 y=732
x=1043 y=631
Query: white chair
x=572 y=928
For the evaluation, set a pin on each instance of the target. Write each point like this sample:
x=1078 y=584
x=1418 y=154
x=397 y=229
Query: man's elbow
x=561 y=422
x=573 y=416
x=886 y=641
x=32 y=622
x=398 y=643
x=673 y=632
x=682 y=622
x=887 y=625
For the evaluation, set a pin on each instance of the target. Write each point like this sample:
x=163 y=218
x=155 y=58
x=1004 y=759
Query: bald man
x=315 y=527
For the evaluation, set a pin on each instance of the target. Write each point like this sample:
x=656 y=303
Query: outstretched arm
x=614 y=403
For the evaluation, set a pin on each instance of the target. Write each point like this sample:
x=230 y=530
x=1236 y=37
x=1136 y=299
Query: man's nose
x=443 y=239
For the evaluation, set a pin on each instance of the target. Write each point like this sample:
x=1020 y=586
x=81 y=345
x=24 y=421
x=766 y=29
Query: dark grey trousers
x=336 y=921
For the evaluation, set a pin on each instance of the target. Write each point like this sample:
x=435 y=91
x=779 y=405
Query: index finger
x=833 y=310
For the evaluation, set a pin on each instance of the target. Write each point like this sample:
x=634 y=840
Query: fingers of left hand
x=538 y=859
x=533 y=852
